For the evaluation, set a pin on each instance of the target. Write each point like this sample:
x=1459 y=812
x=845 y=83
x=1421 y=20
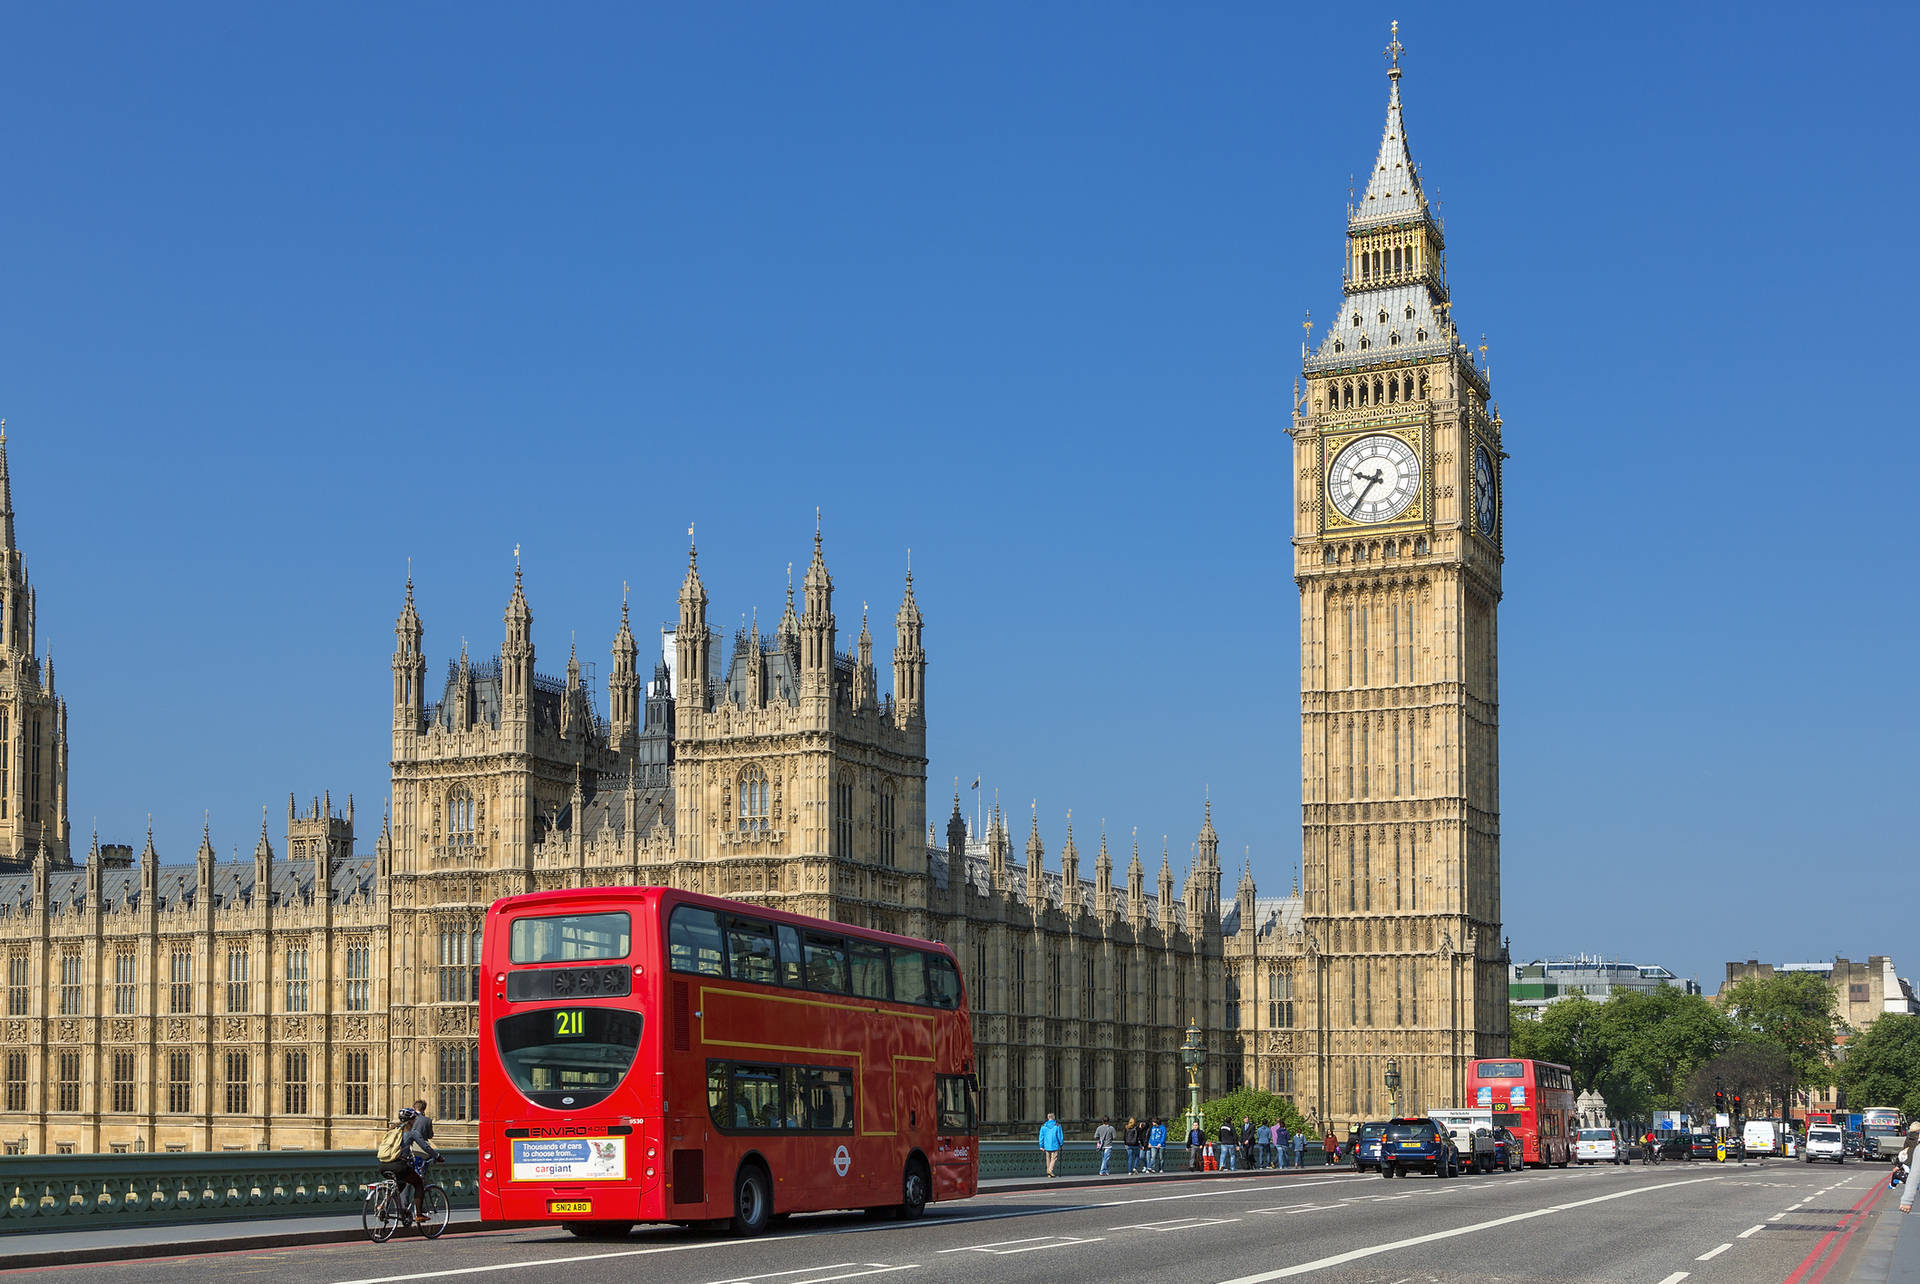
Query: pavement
x=1700 y=1223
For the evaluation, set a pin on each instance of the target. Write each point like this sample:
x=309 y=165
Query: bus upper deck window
x=943 y=981
x=793 y=964
x=693 y=941
x=750 y=951
x=564 y=938
x=869 y=970
x=826 y=963
x=909 y=976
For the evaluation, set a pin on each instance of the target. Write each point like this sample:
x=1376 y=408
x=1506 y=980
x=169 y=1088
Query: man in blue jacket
x=1157 y=1147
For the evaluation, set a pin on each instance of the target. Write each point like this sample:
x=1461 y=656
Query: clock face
x=1374 y=479
x=1484 y=509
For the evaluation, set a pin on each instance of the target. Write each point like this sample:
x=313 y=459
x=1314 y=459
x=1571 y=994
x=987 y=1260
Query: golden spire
x=1393 y=51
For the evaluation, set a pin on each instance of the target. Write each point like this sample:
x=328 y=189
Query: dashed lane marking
x=1748 y=1231
x=859 y=1270
x=1710 y=1254
x=1179 y=1223
x=1676 y=1277
x=1032 y=1244
x=1372 y=1250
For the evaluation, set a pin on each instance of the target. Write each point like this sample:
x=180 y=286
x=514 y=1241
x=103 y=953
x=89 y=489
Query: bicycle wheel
x=435 y=1207
x=376 y=1216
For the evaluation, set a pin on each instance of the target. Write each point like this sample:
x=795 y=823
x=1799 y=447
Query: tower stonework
x=1397 y=555
x=33 y=719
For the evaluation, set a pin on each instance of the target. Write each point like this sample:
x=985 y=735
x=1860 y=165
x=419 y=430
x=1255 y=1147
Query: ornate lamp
x=1393 y=1085
x=1193 y=1055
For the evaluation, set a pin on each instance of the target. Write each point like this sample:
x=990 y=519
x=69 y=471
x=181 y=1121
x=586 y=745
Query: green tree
x=1882 y=1065
x=1263 y=1107
x=1756 y=1068
x=1656 y=1042
x=1797 y=1011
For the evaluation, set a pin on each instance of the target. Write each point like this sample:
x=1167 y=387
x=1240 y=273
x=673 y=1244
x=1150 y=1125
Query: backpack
x=391 y=1145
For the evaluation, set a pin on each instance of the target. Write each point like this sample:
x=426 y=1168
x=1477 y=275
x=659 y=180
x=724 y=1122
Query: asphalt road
x=1703 y=1223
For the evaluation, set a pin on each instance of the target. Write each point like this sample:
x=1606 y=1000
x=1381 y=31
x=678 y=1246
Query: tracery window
x=359 y=981
x=753 y=809
x=461 y=814
x=124 y=970
x=297 y=980
x=180 y=980
x=123 y=1082
x=239 y=1081
x=70 y=1000
x=17 y=985
x=296 y=1082
x=239 y=970
x=887 y=835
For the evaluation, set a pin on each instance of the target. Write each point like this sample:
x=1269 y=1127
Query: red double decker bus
x=653 y=1055
x=1531 y=1099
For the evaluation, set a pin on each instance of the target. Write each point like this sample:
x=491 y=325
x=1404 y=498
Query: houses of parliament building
x=296 y=1000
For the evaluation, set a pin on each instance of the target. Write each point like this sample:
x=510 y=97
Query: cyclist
x=404 y=1168
x=1650 y=1148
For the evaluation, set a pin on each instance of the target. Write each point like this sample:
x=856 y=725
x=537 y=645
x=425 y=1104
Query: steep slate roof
x=1393 y=189
x=233 y=884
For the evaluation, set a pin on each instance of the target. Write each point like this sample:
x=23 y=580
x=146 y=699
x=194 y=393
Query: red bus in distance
x=653 y=1055
x=1531 y=1099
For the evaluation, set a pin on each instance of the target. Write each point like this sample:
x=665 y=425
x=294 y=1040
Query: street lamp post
x=1193 y=1055
x=1393 y=1085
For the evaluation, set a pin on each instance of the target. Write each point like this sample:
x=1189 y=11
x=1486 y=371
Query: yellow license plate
x=569 y=1205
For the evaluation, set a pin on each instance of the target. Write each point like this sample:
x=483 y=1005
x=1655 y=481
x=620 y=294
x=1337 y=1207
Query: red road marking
x=1851 y=1222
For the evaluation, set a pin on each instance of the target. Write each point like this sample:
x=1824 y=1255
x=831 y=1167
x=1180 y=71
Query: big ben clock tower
x=1397 y=553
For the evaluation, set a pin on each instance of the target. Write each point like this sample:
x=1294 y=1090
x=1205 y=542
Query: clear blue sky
x=293 y=294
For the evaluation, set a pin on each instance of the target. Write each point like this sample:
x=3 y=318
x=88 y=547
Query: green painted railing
x=1002 y=1160
x=49 y=1192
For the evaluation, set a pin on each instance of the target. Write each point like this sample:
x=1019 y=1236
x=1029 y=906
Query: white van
x=1762 y=1137
x=1826 y=1141
x=1599 y=1145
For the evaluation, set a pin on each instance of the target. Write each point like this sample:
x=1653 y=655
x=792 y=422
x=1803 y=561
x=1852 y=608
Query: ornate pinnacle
x=1393 y=51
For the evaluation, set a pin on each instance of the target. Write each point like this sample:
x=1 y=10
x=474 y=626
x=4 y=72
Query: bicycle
x=386 y=1209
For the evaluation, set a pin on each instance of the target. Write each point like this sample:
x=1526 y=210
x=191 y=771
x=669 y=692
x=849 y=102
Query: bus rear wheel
x=915 y=1189
x=752 y=1201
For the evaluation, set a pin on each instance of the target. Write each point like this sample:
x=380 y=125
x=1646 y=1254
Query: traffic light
x=1736 y=1105
x=1719 y=1101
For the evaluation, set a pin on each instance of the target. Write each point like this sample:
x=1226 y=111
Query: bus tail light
x=487 y=1155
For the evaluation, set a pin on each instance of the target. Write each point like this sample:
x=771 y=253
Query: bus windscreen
x=567 y=1057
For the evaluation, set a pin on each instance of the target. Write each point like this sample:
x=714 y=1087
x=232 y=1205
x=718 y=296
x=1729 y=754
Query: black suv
x=1422 y=1144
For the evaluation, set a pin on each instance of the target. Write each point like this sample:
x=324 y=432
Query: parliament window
x=457 y=957
x=239 y=1068
x=888 y=852
x=33 y=780
x=123 y=1083
x=124 y=971
x=180 y=1083
x=460 y=816
x=1280 y=998
x=979 y=985
x=70 y=994
x=1017 y=998
x=6 y=744
x=297 y=978
x=359 y=980
x=17 y=988
x=357 y=1099
x=1053 y=982
x=1121 y=1007
x=16 y=1082
x=296 y=1082
x=180 y=980
x=458 y=1081
x=239 y=969
x=69 y=1080
x=1086 y=990
x=753 y=807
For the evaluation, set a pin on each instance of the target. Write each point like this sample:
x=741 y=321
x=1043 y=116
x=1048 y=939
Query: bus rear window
x=571 y=938
x=954 y=1098
x=567 y=1058
x=1501 y=1070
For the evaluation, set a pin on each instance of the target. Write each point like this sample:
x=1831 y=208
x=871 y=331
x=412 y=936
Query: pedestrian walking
x=1051 y=1137
x=1300 y=1147
x=1248 y=1155
x=1263 y=1138
x=1905 y=1160
x=1103 y=1142
x=1282 y=1144
x=1196 y=1143
x=1135 y=1140
x=1157 y=1147
x=1229 y=1144
x=1329 y=1147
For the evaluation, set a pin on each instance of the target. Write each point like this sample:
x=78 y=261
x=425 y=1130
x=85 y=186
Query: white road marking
x=1032 y=1244
x=1712 y=1253
x=1178 y=1223
x=813 y=1277
x=546 y=1261
x=1748 y=1231
x=1354 y=1255
x=1776 y=1217
x=1676 y=1277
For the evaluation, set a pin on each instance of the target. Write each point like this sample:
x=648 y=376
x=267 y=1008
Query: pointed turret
x=623 y=688
x=789 y=631
x=1070 y=873
x=817 y=634
x=693 y=641
x=956 y=842
x=909 y=657
x=1036 y=857
x=866 y=692
x=1244 y=895
x=517 y=656
x=1103 y=876
x=998 y=849
x=1203 y=884
x=409 y=667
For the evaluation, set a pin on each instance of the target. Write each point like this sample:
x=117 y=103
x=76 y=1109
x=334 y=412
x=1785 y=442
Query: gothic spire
x=6 y=495
x=1393 y=190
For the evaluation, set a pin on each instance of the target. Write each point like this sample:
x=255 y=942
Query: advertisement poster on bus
x=570 y=1159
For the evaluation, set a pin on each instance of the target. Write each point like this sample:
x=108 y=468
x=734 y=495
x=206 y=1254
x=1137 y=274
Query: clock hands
x=1378 y=476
